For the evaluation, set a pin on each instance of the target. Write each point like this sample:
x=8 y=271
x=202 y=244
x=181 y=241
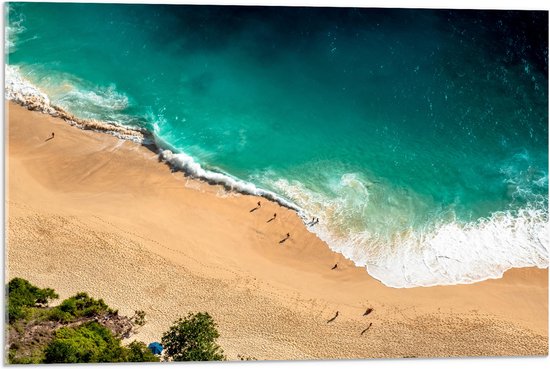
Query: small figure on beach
x=313 y=222
x=369 y=310
x=51 y=137
x=366 y=329
x=53 y=134
x=286 y=238
x=334 y=317
x=257 y=207
x=334 y=267
x=272 y=219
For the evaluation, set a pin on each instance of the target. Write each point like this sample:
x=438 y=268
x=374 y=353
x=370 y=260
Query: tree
x=22 y=295
x=88 y=343
x=193 y=339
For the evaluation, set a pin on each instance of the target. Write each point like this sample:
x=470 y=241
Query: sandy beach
x=90 y=212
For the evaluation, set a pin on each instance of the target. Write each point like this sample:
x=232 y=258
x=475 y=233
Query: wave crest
x=21 y=91
x=449 y=253
x=188 y=165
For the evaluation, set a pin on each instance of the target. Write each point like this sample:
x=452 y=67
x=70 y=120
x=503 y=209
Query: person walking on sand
x=334 y=317
x=257 y=207
x=286 y=238
x=53 y=134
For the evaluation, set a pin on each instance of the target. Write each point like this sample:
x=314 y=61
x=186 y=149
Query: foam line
x=23 y=92
x=188 y=165
x=451 y=252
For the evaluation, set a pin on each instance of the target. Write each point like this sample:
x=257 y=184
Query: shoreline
x=24 y=93
x=270 y=300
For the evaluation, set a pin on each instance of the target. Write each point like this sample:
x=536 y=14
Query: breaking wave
x=23 y=92
x=445 y=253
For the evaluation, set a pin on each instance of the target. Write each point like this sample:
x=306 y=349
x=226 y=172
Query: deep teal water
x=414 y=135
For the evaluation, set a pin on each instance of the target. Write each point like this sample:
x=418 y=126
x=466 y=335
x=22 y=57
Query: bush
x=93 y=343
x=77 y=306
x=58 y=315
x=138 y=352
x=193 y=339
x=88 y=343
x=23 y=295
x=139 y=318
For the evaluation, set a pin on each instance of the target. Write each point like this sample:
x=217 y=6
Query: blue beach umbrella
x=156 y=348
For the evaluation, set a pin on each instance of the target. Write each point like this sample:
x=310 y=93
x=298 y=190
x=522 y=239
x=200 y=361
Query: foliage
x=139 y=318
x=88 y=343
x=93 y=343
x=77 y=306
x=35 y=357
x=193 y=339
x=138 y=352
x=23 y=295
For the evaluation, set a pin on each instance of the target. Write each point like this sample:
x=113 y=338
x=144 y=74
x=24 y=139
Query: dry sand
x=89 y=212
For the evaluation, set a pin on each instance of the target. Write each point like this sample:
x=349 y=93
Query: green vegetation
x=22 y=295
x=93 y=343
x=139 y=318
x=193 y=339
x=82 y=329
x=88 y=343
x=138 y=352
x=78 y=306
x=69 y=332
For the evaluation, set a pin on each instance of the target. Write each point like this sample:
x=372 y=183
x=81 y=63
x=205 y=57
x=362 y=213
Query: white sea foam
x=188 y=165
x=449 y=253
x=96 y=99
x=14 y=27
x=22 y=91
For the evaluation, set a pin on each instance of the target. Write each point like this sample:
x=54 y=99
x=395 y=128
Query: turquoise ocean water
x=418 y=137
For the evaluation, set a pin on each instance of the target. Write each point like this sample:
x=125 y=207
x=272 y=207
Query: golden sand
x=90 y=212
